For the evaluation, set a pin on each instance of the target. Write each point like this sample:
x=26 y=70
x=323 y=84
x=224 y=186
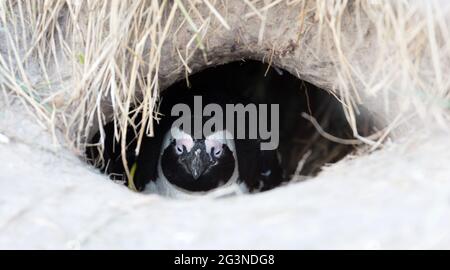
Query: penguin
x=175 y=164
x=189 y=167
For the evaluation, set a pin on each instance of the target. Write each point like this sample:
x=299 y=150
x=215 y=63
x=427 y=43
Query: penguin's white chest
x=164 y=188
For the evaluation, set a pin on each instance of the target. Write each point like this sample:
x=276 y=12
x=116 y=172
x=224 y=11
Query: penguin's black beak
x=197 y=166
x=197 y=161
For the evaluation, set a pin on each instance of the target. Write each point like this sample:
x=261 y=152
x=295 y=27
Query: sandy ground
x=398 y=197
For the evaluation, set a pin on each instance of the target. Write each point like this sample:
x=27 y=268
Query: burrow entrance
x=303 y=149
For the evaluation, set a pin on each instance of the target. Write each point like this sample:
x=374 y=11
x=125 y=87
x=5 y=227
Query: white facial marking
x=186 y=143
x=217 y=140
x=217 y=145
x=182 y=138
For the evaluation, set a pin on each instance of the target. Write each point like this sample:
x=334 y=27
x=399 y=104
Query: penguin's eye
x=179 y=149
x=217 y=152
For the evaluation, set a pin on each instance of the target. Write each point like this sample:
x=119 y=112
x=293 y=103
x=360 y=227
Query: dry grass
x=78 y=64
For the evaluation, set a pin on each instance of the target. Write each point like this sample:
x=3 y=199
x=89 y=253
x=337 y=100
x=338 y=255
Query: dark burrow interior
x=302 y=151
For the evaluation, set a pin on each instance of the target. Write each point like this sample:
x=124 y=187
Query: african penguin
x=174 y=164
x=216 y=164
x=190 y=167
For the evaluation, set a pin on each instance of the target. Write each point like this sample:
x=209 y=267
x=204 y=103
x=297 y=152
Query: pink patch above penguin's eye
x=181 y=143
x=215 y=146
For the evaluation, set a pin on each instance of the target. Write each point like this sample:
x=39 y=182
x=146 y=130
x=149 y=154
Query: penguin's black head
x=198 y=165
